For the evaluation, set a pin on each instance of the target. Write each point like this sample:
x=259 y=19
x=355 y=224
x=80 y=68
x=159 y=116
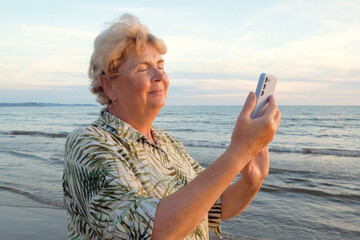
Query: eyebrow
x=148 y=63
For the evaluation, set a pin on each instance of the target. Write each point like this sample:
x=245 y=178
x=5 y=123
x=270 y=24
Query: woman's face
x=143 y=83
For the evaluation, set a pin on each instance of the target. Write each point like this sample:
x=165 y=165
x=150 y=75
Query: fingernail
x=251 y=96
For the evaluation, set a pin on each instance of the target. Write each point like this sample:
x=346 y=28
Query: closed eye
x=160 y=65
x=142 y=68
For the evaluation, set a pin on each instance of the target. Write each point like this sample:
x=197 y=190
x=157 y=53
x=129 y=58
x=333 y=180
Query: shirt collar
x=115 y=125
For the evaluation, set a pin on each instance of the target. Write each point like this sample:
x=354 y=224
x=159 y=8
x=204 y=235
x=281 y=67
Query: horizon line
x=35 y=104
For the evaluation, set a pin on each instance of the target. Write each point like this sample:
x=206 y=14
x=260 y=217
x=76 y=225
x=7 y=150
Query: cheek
x=140 y=88
x=143 y=86
x=166 y=82
x=137 y=85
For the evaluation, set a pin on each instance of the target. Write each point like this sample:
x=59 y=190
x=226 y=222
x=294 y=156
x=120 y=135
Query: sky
x=216 y=49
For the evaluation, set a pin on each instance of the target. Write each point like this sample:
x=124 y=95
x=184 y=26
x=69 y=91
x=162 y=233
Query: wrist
x=252 y=186
x=239 y=155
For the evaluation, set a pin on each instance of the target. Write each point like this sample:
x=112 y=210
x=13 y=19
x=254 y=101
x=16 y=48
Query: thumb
x=249 y=105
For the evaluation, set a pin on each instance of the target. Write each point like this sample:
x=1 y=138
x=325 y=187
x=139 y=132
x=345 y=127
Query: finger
x=278 y=118
x=263 y=151
x=247 y=169
x=249 y=105
x=272 y=108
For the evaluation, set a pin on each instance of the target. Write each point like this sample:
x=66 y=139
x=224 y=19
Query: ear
x=107 y=85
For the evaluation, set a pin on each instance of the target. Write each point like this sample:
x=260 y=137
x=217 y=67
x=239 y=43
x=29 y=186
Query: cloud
x=42 y=72
x=143 y=11
x=42 y=80
x=323 y=57
x=228 y=85
x=42 y=38
x=312 y=47
x=330 y=56
x=61 y=94
x=122 y=9
x=182 y=82
x=45 y=30
x=41 y=61
x=212 y=92
x=324 y=48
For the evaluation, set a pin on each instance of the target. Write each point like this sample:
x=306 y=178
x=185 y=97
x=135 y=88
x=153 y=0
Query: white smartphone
x=265 y=88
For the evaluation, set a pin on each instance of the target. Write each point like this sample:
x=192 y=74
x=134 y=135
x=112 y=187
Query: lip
x=156 y=91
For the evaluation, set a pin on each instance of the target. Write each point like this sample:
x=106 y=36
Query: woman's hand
x=180 y=212
x=252 y=135
x=240 y=194
x=249 y=146
x=257 y=169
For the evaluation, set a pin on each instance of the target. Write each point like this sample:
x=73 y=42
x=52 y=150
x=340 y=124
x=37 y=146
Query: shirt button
x=163 y=153
x=178 y=182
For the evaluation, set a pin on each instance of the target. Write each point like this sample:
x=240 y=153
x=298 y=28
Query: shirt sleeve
x=214 y=214
x=103 y=197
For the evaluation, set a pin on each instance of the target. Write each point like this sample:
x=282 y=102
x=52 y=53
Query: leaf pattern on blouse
x=114 y=178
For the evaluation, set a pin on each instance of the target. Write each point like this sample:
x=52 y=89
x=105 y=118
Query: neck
x=140 y=120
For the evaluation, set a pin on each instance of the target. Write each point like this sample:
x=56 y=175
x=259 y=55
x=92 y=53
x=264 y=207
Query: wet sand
x=23 y=218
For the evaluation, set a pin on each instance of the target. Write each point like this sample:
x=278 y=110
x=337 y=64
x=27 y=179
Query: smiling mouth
x=156 y=92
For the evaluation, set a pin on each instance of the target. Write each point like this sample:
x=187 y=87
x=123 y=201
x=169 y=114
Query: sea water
x=312 y=191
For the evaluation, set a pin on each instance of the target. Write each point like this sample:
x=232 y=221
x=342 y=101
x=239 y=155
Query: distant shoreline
x=41 y=104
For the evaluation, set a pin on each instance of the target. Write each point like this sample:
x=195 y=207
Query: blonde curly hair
x=112 y=47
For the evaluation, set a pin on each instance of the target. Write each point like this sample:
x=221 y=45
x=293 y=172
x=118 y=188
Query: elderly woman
x=125 y=179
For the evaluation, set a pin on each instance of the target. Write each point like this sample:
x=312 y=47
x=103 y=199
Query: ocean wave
x=281 y=170
x=25 y=155
x=210 y=144
x=33 y=197
x=55 y=159
x=312 y=192
x=334 y=152
x=37 y=133
x=318 y=119
x=28 y=206
x=184 y=130
x=205 y=143
x=225 y=236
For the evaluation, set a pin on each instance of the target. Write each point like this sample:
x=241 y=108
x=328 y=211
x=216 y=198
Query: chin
x=157 y=104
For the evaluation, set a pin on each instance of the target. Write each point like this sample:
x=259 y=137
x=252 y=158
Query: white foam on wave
x=334 y=152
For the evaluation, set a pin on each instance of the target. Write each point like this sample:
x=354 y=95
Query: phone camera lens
x=266 y=79
x=262 y=93
x=264 y=86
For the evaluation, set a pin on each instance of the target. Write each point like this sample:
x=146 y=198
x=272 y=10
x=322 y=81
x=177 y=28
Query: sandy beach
x=27 y=219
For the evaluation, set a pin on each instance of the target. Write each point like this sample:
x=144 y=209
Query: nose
x=157 y=75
